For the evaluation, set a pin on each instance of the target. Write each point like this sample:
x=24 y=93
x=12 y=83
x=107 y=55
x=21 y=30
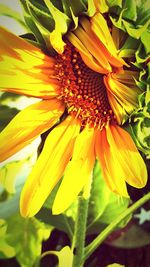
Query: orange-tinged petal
x=78 y=171
x=112 y=170
x=27 y=125
x=96 y=52
x=120 y=160
x=122 y=93
x=113 y=59
x=101 y=5
x=24 y=69
x=100 y=28
x=85 y=54
x=125 y=151
x=50 y=166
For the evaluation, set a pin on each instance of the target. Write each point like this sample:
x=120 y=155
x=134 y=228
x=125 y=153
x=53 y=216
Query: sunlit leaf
x=26 y=236
x=65 y=257
x=5 y=249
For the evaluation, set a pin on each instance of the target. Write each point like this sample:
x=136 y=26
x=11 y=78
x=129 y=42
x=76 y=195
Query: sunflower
x=87 y=92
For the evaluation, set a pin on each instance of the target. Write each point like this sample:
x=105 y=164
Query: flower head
x=88 y=85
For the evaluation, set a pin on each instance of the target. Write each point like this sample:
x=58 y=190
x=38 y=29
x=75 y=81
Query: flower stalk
x=78 y=244
x=110 y=228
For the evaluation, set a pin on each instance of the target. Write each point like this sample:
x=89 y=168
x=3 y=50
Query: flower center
x=82 y=90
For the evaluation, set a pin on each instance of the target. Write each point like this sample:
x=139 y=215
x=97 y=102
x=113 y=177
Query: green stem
x=80 y=227
x=109 y=229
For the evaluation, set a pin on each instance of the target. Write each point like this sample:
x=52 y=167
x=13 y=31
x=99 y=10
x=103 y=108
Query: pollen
x=82 y=90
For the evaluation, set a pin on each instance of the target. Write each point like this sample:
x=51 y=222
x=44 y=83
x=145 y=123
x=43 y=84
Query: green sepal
x=77 y=7
x=117 y=20
x=130 y=9
x=145 y=39
x=112 y=3
x=137 y=31
x=129 y=47
x=31 y=24
x=91 y=9
x=140 y=124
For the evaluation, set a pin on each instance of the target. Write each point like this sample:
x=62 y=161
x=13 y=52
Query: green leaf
x=114 y=208
x=61 y=222
x=104 y=205
x=5 y=249
x=26 y=236
x=9 y=173
x=99 y=195
x=6 y=114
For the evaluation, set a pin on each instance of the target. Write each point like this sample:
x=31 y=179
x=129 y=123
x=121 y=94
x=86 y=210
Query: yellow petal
x=92 y=45
x=112 y=170
x=122 y=93
x=101 y=5
x=50 y=166
x=100 y=28
x=24 y=69
x=95 y=51
x=103 y=50
x=124 y=150
x=78 y=171
x=120 y=160
x=85 y=54
x=27 y=125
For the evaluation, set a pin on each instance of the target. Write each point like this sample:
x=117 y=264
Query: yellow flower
x=88 y=86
